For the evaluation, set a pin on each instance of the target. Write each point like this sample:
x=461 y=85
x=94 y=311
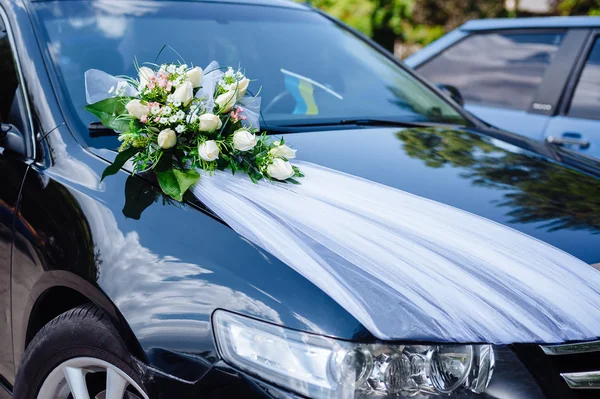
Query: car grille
x=564 y=371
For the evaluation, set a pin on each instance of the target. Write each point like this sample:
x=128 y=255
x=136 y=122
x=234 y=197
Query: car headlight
x=322 y=367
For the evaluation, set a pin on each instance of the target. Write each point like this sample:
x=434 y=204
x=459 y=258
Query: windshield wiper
x=383 y=122
x=97 y=129
x=343 y=124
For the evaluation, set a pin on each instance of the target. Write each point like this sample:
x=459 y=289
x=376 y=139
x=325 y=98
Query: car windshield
x=306 y=68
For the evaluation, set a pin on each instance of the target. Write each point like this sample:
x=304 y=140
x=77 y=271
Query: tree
x=356 y=13
x=389 y=21
x=577 y=7
x=452 y=13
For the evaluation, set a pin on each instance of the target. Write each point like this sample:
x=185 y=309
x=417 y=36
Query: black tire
x=82 y=331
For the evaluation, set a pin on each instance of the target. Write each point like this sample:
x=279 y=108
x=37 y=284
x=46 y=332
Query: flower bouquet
x=177 y=120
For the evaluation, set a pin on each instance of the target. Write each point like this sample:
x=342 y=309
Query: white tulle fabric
x=100 y=85
x=211 y=76
x=251 y=111
x=406 y=266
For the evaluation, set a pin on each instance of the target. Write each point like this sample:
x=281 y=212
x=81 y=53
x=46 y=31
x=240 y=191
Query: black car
x=108 y=289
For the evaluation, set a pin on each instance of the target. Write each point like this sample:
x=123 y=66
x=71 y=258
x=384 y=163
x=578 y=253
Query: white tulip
x=184 y=93
x=243 y=140
x=242 y=87
x=194 y=75
x=280 y=169
x=209 y=122
x=282 y=150
x=226 y=101
x=137 y=109
x=167 y=139
x=208 y=150
x=145 y=74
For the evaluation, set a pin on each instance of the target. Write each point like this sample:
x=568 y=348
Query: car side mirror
x=453 y=93
x=11 y=139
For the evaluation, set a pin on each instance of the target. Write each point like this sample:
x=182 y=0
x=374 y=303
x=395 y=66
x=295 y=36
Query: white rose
x=137 y=109
x=242 y=87
x=243 y=140
x=167 y=139
x=226 y=101
x=194 y=75
x=145 y=74
x=282 y=150
x=184 y=93
x=208 y=150
x=280 y=169
x=209 y=122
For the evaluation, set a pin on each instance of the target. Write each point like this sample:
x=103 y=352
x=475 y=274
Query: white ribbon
x=406 y=266
x=99 y=86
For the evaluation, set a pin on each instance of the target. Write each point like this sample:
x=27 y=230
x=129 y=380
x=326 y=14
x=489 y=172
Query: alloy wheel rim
x=69 y=380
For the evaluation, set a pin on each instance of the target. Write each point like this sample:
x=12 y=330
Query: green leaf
x=108 y=111
x=174 y=182
x=119 y=161
x=297 y=172
x=186 y=178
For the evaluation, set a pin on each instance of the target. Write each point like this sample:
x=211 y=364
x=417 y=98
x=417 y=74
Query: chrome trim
x=22 y=86
x=570 y=349
x=583 y=380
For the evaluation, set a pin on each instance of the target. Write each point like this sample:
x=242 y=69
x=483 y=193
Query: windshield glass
x=307 y=68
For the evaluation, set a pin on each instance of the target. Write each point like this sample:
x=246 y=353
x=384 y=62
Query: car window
x=12 y=106
x=499 y=69
x=280 y=50
x=586 y=99
x=9 y=104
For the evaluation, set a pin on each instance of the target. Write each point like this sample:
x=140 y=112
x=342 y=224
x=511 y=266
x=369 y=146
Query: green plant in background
x=416 y=23
x=356 y=13
x=412 y=22
x=577 y=7
x=391 y=20
x=452 y=13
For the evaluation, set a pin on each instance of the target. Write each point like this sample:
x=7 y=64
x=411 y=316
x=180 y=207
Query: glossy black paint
x=159 y=268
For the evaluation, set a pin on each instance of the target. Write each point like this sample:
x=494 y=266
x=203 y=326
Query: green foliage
x=423 y=34
x=411 y=21
x=423 y=21
x=577 y=7
x=111 y=113
x=173 y=181
x=452 y=13
x=390 y=19
x=356 y=13
x=119 y=161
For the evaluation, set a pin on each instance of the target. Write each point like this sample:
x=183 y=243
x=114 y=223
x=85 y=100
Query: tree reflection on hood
x=535 y=189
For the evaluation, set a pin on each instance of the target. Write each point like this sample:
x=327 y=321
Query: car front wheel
x=78 y=355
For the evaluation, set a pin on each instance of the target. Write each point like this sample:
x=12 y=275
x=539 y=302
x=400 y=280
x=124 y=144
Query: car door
x=510 y=78
x=15 y=149
x=578 y=125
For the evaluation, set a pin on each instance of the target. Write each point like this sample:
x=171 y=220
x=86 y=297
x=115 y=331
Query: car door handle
x=567 y=141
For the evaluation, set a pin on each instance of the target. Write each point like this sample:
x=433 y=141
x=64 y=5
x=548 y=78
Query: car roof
x=276 y=3
x=534 y=22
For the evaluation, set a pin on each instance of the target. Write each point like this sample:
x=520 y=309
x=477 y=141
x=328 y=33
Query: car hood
x=490 y=178
x=473 y=172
